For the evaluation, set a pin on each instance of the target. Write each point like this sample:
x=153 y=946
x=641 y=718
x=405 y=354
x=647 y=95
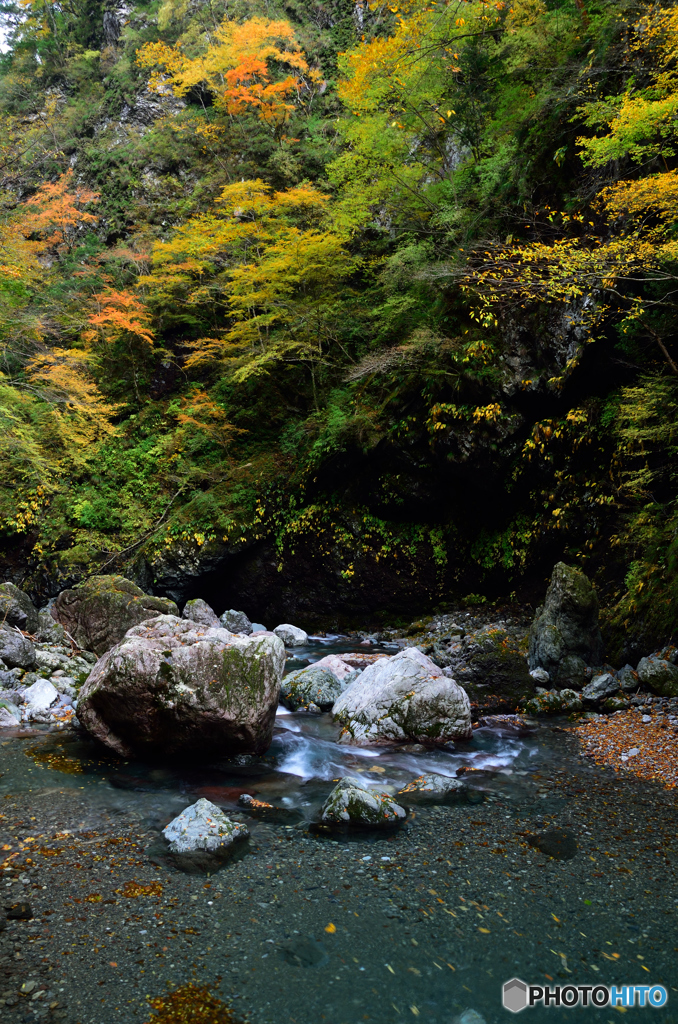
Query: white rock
x=291 y=636
x=540 y=675
x=401 y=699
x=203 y=826
x=335 y=664
x=41 y=695
x=10 y=715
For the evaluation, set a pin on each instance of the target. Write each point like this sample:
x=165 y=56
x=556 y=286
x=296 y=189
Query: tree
x=254 y=65
x=57 y=212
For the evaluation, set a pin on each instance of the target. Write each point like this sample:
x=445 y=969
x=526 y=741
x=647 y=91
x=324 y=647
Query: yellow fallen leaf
x=331 y=928
x=485 y=931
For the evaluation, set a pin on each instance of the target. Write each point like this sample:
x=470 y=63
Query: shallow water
x=427 y=922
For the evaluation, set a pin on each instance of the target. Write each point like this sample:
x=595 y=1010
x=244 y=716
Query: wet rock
x=99 y=611
x=599 y=688
x=174 y=687
x=566 y=627
x=202 y=837
x=311 y=685
x=556 y=843
x=628 y=679
x=236 y=622
x=16 y=650
x=17 y=609
x=401 y=699
x=660 y=675
x=291 y=636
x=491 y=665
x=10 y=716
x=199 y=611
x=352 y=802
x=431 y=788
x=267 y=812
x=303 y=951
x=469 y=1017
x=19 y=912
x=553 y=702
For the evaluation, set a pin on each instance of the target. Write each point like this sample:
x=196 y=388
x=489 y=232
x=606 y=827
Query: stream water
x=426 y=922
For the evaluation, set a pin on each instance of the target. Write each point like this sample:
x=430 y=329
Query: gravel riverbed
x=426 y=922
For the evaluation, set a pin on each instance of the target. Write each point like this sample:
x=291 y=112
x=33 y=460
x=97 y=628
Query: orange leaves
x=120 y=314
x=57 y=211
x=242 y=68
x=200 y=414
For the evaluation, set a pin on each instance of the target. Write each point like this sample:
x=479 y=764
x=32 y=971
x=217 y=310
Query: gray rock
x=174 y=687
x=16 y=650
x=10 y=716
x=258 y=628
x=339 y=666
x=566 y=626
x=352 y=802
x=99 y=612
x=599 y=688
x=199 y=611
x=49 y=661
x=552 y=702
x=660 y=675
x=628 y=679
x=431 y=788
x=202 y=837
x=572 y=672
x=291 y=636
x=469 y=1017
x=17 y=609
x=311 y=685
x=540 y=675
x=402 y=699
x=236 y=622
x=49 y=631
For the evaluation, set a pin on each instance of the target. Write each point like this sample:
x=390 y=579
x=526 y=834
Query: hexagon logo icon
x=515 y=995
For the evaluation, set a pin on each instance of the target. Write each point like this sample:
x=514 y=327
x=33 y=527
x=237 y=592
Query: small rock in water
x=202 y=837
x=555 y=843
x=265 y=811
x=431 y=788
x=290 y=635
x=237 y=622
x=10 y=716
x=199 y=611
x=469 y=1017
x=352 y=802
x=308 y=686
x=19 y=912
x=303 y=952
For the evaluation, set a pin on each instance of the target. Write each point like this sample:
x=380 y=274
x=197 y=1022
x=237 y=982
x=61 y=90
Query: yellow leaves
x=240 y=68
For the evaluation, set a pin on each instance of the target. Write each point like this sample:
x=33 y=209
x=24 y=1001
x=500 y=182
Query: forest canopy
x=392 y=283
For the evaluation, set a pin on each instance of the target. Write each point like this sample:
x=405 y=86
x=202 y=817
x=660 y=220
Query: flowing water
x=427 y=922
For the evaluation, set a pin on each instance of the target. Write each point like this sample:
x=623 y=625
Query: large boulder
x=659 y=674
x=17 y=609
x=353 y=802
x=403 y=699
x=202 y=837
x=16 y=650
x=172 y=687
x=600 y=687
x=10 y=716
x=199 y=611
x=491 y=665
x=565 y=635
x=98 y=612
x=311 y=685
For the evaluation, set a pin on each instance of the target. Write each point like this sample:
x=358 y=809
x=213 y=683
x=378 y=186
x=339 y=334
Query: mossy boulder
x=492 y=668
x=659 y=674
x=552 y=702
x=174 y=687
x=565 y=635
x=17 y=609
x=353 y=802
x=311 y=685
x=98 y=612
